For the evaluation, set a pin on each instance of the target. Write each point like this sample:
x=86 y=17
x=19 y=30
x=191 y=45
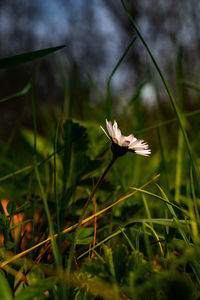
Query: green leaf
x=5 y=291
x=85 y=232
x=11 y=61
x=85 y=237
x=35 y=290
x=97 y=267
x=78 y=135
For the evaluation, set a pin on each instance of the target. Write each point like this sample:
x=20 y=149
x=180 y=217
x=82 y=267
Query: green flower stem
x=73 y=246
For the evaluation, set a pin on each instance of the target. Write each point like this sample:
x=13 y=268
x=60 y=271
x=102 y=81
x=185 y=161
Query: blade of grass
x=23 y=92
x=174 y=216
x=108 y=95
x=147 y=243
x=11 y=61
x=55 y=181
x=43 y=196
x=156 y=236
x=146 y=207
x=178 y=167
x=190 y=84
x=194 y=197
x=51 y=230
x=30 y=167
x=127 y=238
x=194 y=223
x=190 y=114
x=166 y=201
x=179 y=75
x=100 y=243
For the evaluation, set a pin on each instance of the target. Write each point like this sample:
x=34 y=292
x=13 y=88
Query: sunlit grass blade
x=146 y=206
x=156 y=236
x=109 y=237
x=127 y=238
x=164 y=199
x=194 y=197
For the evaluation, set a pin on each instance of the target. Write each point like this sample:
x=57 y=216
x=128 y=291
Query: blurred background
x=95 y=33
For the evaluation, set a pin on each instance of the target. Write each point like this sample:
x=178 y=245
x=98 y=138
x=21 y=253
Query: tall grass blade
x=23 y=92
x=108 y=94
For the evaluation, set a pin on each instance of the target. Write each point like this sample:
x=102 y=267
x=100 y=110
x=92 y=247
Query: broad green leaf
x=5 y=291
x=11 y=61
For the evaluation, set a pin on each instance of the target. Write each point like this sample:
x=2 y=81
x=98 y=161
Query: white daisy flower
x=121 y=144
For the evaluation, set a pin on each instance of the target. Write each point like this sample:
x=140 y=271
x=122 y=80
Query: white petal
x=109 y=127
x=105 y=132
x=137 y=143
x=143 y=152
x=116 y=134
x=130 y=138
